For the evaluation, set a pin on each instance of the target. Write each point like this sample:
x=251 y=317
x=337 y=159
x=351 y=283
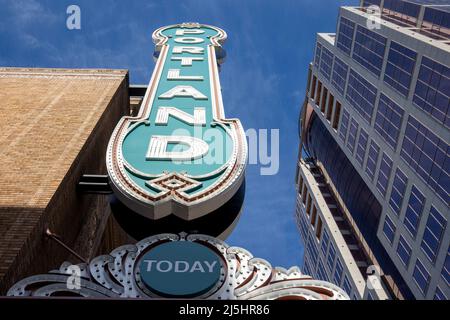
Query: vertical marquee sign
x=180 y=156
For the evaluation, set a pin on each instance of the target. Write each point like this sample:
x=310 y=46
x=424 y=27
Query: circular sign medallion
x=180 y=269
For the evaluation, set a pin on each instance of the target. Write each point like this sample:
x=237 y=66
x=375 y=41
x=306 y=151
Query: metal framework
x=117 y=275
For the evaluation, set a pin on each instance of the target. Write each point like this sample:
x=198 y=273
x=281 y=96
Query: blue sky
x=270 y=44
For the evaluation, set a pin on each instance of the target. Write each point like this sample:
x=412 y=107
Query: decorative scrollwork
x=243 y=276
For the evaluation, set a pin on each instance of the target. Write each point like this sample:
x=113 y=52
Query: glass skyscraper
x=373 y=174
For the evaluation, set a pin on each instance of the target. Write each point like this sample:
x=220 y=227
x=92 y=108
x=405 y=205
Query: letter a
x=183 y=91
x=74 y=19
x=197 y=266
x=198 y=119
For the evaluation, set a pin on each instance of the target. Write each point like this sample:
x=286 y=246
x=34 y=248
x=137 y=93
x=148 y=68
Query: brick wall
x=55 y=126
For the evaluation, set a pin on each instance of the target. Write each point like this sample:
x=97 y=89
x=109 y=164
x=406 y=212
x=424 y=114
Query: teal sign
x=180 y=269
x=180 y=155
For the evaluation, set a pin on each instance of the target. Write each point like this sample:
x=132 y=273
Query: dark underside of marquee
x=213 y=224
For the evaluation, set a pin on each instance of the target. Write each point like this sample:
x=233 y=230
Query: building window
x=347 y=286
x=325 y=240
x=326 y=63
x=312 y=249
x=338 y=272
x=384 y=174
x=403 y=13
x=398 y=191
x=414 y=211
x=330 y=107
x=313 y=216
x=300 y=184
x=308 y=205
x=404 y=251
x=439 y=295
x=305 y=226
x=421 y=277
x=372 y=160
x=361 y=95
x=306 y=267
x=323 y=103
x=319 y=228
x=331 y=257
x=304 y=223
x=337 y=114
x=389 y=229
x=428 y=156
x=389 y=120
x=436 y=22
x=344 y=125
x=362 y=145
x=369 y=50
x=313 y=88
x=432 y=93
x=304 y=194
x=319 y=92
x=317 y=56
x=345 y=35
x=368 y=3
x=399 y=68
x=321 y=272
x=352 y=135
x=446 y=268
x=340 y=71
x=433 y=233
x=308 y=85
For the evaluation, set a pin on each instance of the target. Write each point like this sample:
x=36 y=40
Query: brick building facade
x=56 y=124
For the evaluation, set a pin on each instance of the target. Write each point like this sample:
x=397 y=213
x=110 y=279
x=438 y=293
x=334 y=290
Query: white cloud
x=26 y=12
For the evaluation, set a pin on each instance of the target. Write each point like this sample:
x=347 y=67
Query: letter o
x=189 y=40
x=169 y=266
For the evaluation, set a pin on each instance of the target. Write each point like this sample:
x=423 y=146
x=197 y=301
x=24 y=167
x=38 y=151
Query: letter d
x=178 y=265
